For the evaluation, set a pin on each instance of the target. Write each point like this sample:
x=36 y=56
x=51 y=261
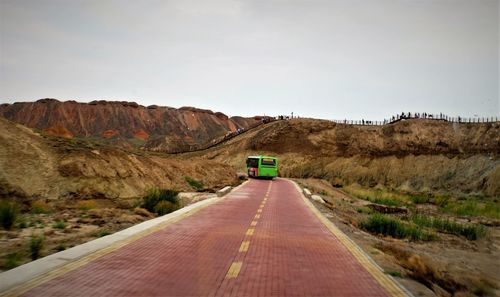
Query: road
x=260 y=240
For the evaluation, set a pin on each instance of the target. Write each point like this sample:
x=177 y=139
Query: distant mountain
x=161 y=128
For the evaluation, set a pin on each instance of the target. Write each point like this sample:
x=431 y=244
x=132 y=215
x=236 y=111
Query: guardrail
x=425 y=116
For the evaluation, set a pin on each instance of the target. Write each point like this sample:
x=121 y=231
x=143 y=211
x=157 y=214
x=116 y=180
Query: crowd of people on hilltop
x=409 y=115
x=286 y=117
x=424 y=115
x=418 y=115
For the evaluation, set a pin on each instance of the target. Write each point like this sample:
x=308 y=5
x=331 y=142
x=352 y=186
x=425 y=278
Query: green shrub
x=473 y=208
x=394 y=273
x=441 y=200
x=469 y=231
x=387 y=201
x=12 y=261
x=36 y=245
x=154 y=196
x=60 y=247
x=385 y=225
x=364 y=210
x=59 y=225
x=8 y=214
x=420 y=199
x=103 y=233
x=378 y=196
x=195 y=184
x=164 y=207
x=474 y=232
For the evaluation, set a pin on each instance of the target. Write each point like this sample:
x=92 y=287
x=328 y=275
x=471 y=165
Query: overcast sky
x=330 y=59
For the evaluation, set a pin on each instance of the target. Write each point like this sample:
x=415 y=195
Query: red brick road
x=244 y=245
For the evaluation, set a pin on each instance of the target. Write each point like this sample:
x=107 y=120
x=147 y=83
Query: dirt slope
x=37 y=167
x=417 y=155
x=117 y=121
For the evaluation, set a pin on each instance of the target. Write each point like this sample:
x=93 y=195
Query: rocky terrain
x=68 y=191
x=83 y=168
x=58 y=169
x=127 y=123
x=422 y=197
x=447 y=264
x=419 y=155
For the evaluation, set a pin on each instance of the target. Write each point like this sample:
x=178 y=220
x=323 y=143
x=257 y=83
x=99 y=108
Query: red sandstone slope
x=123 y=120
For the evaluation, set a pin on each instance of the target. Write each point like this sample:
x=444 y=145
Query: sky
x=330 y=59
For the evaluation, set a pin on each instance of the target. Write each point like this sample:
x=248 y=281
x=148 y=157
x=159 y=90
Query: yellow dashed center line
x=244 y=246
x=234 y=270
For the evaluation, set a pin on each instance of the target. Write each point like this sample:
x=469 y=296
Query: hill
x=419 y=155
x=59 y=170
x=126 y=123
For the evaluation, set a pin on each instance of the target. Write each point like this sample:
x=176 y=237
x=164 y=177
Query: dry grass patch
x=86 y=205
x=40 y=207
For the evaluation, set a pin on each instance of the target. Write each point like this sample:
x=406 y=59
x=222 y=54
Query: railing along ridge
x=420 y=116
x=217 y=141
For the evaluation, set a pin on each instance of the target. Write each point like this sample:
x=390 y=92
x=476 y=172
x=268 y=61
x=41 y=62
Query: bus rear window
x=268 y=162
x=253 y=163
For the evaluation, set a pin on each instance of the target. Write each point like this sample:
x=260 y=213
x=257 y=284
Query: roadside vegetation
x=389 y=226
x=195 y=184
x=28 y=232
x=40 y=207
x=441 y=241
x=12 y=261
x=469 y=231
x=8 y=214
x=161 y=201
x=36 y=245
x=59 y=225
x=459 y=205
x=473 y=207
x=86 y=205
x=379 y=196
x=32 y=230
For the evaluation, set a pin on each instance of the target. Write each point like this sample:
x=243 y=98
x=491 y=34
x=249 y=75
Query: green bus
x=262 y=166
